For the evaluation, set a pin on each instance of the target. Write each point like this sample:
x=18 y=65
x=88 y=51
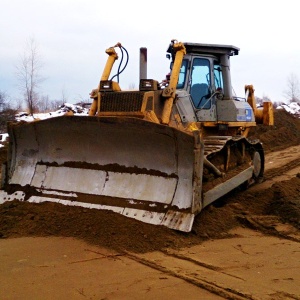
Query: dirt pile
x=284 y=133
x=114 y=231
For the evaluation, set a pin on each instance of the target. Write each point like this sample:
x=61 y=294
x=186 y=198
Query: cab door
x=200 y=88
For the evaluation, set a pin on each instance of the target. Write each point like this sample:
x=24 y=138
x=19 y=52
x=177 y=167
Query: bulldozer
x=159 y=154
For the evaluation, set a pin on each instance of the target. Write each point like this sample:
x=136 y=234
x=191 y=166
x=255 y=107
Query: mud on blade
x=140 y=169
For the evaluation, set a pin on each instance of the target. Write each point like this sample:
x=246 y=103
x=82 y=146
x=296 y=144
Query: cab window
x=218 y=76
x=182 y=74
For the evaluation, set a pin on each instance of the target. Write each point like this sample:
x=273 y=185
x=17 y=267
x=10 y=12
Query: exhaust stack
x=143 y=63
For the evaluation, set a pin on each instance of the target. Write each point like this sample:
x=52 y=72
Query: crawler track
x=227 y=156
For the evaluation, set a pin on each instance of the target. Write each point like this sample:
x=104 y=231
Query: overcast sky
x=72 y=37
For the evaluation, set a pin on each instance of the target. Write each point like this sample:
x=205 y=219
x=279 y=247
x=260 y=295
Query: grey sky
x=72 y=37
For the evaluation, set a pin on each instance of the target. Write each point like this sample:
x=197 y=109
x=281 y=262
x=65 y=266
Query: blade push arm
x=170 y=91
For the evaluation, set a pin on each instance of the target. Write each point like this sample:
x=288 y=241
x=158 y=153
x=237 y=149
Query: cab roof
x=215 y=49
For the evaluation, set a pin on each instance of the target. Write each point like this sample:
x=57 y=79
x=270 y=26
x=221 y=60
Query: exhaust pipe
x=143 y=63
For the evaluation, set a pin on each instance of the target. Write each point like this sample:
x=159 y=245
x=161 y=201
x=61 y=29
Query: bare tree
x=7 y=113
x=3 y=100
x=80 y=100
x=132 y=86
x=259 y=100
x=64 y=96
x=28 y=74
x=292 y=93
x=55 y=104
x=266 y=98
x=43 y=104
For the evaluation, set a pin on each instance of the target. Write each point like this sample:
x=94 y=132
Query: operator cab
x=205 y=76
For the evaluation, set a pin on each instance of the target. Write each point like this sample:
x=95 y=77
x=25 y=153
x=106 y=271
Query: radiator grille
x=121 y=101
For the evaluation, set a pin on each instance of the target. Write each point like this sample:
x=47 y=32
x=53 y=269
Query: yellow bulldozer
x=159 y=154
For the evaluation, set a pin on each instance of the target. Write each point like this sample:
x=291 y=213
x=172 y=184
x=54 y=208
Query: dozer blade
x=137 y=168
